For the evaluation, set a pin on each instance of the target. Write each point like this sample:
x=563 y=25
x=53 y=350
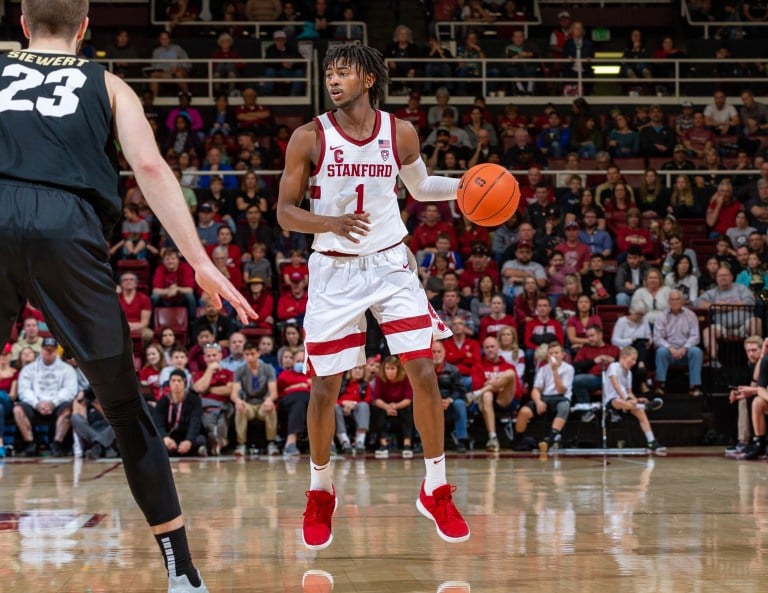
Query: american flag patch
x=384 y=144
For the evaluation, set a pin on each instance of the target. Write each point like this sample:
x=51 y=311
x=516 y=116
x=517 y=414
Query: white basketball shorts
x=343 y=288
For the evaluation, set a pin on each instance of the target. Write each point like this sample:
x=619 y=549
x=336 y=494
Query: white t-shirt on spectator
x=624 y=380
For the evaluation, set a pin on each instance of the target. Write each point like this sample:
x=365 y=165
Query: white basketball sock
x=320 y=477
x=435 y=474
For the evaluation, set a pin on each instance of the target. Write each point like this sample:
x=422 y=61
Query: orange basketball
x=488 y=194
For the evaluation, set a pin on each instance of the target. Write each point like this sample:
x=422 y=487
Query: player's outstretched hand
x=218 y=287
x=349 y=225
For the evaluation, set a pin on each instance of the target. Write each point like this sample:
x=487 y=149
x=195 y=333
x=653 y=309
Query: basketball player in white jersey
x=349 y=159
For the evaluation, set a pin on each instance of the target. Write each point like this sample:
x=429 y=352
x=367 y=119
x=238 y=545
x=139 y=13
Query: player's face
x=345 y=84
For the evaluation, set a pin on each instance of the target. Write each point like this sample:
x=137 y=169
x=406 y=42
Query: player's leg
x=69 y=279
x=403 y=315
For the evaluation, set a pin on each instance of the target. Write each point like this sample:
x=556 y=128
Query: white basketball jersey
x=355 y=176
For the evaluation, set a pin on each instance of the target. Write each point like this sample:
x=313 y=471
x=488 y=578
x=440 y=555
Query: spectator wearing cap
x=560 y=34
x=680 y=160
x=178 y=418
x=630 y=275
x=414 y=113
x=47 y=387
x=697 y=139
x=287 y=63
x=228 y=64
x=173 y=283
x=207 y=226
x=437 y=153
x=575 y=253
x=220 y=325
x=478 y=265
x=262 y=302
x=292 y=302
x=514 y=271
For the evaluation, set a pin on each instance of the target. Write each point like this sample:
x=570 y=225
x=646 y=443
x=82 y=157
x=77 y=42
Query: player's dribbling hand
x=346 y=225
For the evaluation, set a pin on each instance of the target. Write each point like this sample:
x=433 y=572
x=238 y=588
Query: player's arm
x=413 y=172
x=299 y=155
x=163 y=193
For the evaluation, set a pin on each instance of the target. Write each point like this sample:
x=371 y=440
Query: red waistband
x=340 y=254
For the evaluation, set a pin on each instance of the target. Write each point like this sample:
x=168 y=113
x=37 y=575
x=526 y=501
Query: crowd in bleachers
x=590 y=247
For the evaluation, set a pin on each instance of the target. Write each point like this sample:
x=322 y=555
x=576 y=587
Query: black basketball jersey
x=56 y=128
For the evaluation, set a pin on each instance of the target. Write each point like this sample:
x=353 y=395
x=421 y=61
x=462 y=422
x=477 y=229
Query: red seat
x=253 y=334
x=704 y=248
x=693 y=227
x=177 y=318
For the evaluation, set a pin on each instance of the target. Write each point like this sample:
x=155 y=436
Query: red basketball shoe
x=439 y=507
x=316 y=530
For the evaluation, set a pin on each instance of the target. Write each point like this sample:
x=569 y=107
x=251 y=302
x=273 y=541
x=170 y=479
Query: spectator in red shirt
x=478 y=265
x=173 y=284
x=496 y=387
x=252 y=117
x=425 y=234
x=490 y=325
x=227 y=266
x=393 y=398
x=136 y=306
x=214 y=385
x=354 y=405
x=413 y=113
x=225 y=238
x=293 y=386
x=589 y=363
x=149 y=375
x=262 y=302
x=296 y=264
x=292 y=303
x=722 y=209
x=575 y=253
x=634 y=234
x=542 y=329
x=469 y=235
x=462 y=351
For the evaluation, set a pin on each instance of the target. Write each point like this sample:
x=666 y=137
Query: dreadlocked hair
x=366 y=60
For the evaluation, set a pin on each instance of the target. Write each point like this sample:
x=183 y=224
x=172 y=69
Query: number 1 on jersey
x=359 y=207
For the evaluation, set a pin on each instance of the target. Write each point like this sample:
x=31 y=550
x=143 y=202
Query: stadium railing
x=201 y=76
x=708 y=26
x=683 y=82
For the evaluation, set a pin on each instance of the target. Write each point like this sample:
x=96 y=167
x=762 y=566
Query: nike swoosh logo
x=405 y=266
x=438 y=460
x=337 y=147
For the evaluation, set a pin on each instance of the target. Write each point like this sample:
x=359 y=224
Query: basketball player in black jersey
x=60 y=119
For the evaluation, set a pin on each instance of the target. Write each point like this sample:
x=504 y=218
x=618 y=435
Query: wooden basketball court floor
x=690 y=522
